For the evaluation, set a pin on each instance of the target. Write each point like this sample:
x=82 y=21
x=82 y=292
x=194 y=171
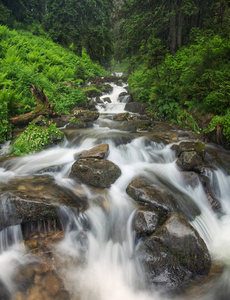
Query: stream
x=93 y=260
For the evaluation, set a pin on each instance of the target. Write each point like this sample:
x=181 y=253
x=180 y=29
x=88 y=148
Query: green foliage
x=195 y=78
x=35 y=138
x=92 y=92
x=74 y=121
x=222 y=123
x=187 y=120
x=26 y=59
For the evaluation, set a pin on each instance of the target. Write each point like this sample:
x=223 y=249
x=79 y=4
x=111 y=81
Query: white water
x=97 y=263
x=110 y=107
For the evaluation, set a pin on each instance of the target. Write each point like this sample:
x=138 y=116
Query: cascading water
x=95 y=257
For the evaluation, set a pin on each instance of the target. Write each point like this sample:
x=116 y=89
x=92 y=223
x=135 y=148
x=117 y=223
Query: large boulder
x=82 y=119
x=189 y=161
x=146 y=193
x=146 y=220
x=99 y=173
x=35 y=199
x=86 y=115
x=136 y=107
x=15 y=210
x=198 y=147
x=190 y=155
x=161 y=197
x=173 y=255
x=100 y=152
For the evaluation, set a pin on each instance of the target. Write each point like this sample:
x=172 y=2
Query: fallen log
x=43 y=108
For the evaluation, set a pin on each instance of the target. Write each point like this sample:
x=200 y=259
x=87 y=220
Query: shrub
x=36 y=138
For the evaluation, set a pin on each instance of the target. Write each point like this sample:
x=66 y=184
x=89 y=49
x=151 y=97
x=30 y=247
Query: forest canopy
x=176 y=53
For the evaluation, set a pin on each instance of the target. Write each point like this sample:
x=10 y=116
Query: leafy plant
x=222 y=124
x=35 y=138
x=186 y=120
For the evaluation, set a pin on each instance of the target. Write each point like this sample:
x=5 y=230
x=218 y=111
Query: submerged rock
x=95 y=172
x=173 y=255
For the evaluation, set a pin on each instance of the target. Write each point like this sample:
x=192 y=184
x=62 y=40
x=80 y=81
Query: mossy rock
x=198 y=147
x=92 y=92
x=86 y=115
x=99 y=173
x=189 y=161
x=173 y=255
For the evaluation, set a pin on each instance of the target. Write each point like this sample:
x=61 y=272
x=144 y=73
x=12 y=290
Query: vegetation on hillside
x=178 y=56
x=176 y=52
x=26 y=59
x=76 y=24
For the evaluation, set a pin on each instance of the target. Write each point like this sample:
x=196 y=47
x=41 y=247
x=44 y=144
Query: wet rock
x=107 y=88
x=40 y=121
x=4 y=292
x=213 y=201
x=146 y=220
x=92 y=92
x=34 y=199
x=136 y=107
x=191 y=179
x=125 y=98
x=122 y=94
x=61 y=121
x=173 y=255
x=24 y=276
x=165 y=198
x=96 y=172
x=142 y=125
x=189 y=161
x=107 y=99
x=129 y=117
x=86 y=115
x=128 y=126
x=98 y=100
x=52 y=283
x=198 y=147
x=146 y=193
x=37 y=292
x=118 y=140
x=92 y=105
x=100 y=152
x=122 y=117
x=82 y=119
x=16 y=210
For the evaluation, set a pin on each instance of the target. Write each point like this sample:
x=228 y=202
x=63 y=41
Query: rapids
x=95 y=261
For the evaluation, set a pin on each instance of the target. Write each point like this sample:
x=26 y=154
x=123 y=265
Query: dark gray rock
x=146 y=220
x=189 y=161
x=95 y=172
x=146 y=193
x=136 y=107
x=173 y=255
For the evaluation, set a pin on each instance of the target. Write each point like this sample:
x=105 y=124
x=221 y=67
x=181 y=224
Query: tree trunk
x=43 y=108
x=172 y=29
x=180 y=27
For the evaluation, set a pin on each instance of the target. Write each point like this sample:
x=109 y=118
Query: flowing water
x=95 y=257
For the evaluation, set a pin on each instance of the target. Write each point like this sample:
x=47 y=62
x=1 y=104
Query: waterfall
x=95 y=257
